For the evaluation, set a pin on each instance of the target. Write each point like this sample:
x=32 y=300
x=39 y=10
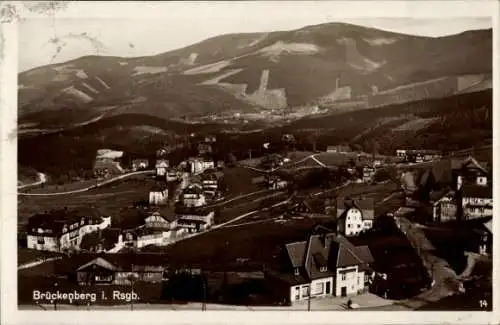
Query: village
x=307 y=230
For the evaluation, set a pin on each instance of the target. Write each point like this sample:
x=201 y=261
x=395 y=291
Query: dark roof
x=159 y=186
x=478 y=191
x=436 y=195
x=365 y=205
x=56 y=219
x=331 y=250
x=296 y=252
x=193 y=189
x=198 y=211
x=471 y=162
x=183 y=221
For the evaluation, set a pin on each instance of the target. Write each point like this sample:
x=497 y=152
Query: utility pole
x=203 y=279
x=309 y=298
x=55 y=300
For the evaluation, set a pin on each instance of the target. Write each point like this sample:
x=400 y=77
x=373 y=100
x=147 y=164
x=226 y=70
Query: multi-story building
x=323 y=265
x=354 y=215
x=62 y=230
x=476 y=202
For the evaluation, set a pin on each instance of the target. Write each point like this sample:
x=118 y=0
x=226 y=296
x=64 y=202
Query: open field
x=258 y=243
x=26 y=255
x=109 y=199
x=239 y=180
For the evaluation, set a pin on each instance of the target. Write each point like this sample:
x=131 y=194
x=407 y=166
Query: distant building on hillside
x=354 y=215
x=339 y=149
x=161 y=167
x=139 y=164
x=158 y=195
x=195 y=219
x=193 y=196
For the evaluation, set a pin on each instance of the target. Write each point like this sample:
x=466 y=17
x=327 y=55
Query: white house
x=195 y=220
x=62 y=230
x=172 y=175
x=324 y=265
x=477 y=201
x=444 y=206
x=354 y=216
x=161 y=167
x=199 y=165
x=158 y=195
x=193 y=196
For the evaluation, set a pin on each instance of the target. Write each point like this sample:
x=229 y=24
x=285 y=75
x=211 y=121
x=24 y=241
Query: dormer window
x=323 y=269
x=296 y=271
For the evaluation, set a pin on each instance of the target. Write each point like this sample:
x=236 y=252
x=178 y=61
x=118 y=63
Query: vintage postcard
x=253 y=162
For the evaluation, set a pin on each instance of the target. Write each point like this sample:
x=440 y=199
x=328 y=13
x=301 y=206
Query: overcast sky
x=136 y=29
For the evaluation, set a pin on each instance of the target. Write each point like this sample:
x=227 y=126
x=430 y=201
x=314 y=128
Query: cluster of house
x=63 y=230
x=418 y=156
x=324 y=264
x=468 y=196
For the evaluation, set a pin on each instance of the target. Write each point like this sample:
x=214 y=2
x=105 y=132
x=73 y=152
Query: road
x=42 y=178
x=106 y=182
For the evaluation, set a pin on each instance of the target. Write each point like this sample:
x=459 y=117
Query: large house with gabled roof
x=323 y=265
x=61 y=230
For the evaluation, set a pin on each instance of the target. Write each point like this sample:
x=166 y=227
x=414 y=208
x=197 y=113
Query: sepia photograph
x=291 y=156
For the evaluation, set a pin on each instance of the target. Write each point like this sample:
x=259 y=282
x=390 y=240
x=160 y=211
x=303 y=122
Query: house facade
x=324 y=265
x=199 y=165
x=368 y=173
x=444 y=207
x=158 y=196
x=121 y=269
x=195 y=220
x=476 y=202
x=193 y=196
x=62 y=230
x=161 y=167
x=354 y=216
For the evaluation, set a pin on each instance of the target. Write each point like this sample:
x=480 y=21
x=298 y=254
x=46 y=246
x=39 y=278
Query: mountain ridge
x=245 y=72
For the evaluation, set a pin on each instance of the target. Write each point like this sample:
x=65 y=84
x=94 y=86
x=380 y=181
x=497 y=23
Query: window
x=323 y=269
x=297 y=293
x=305 y=291
x=40 y=241
x=343 y=276
x=359 y=226
x=296 y=271
x=319 y=288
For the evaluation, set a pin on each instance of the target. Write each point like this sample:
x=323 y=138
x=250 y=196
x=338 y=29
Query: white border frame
x=8 y=199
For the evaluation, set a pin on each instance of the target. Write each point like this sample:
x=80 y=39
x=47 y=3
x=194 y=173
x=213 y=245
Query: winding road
x=106 y=182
